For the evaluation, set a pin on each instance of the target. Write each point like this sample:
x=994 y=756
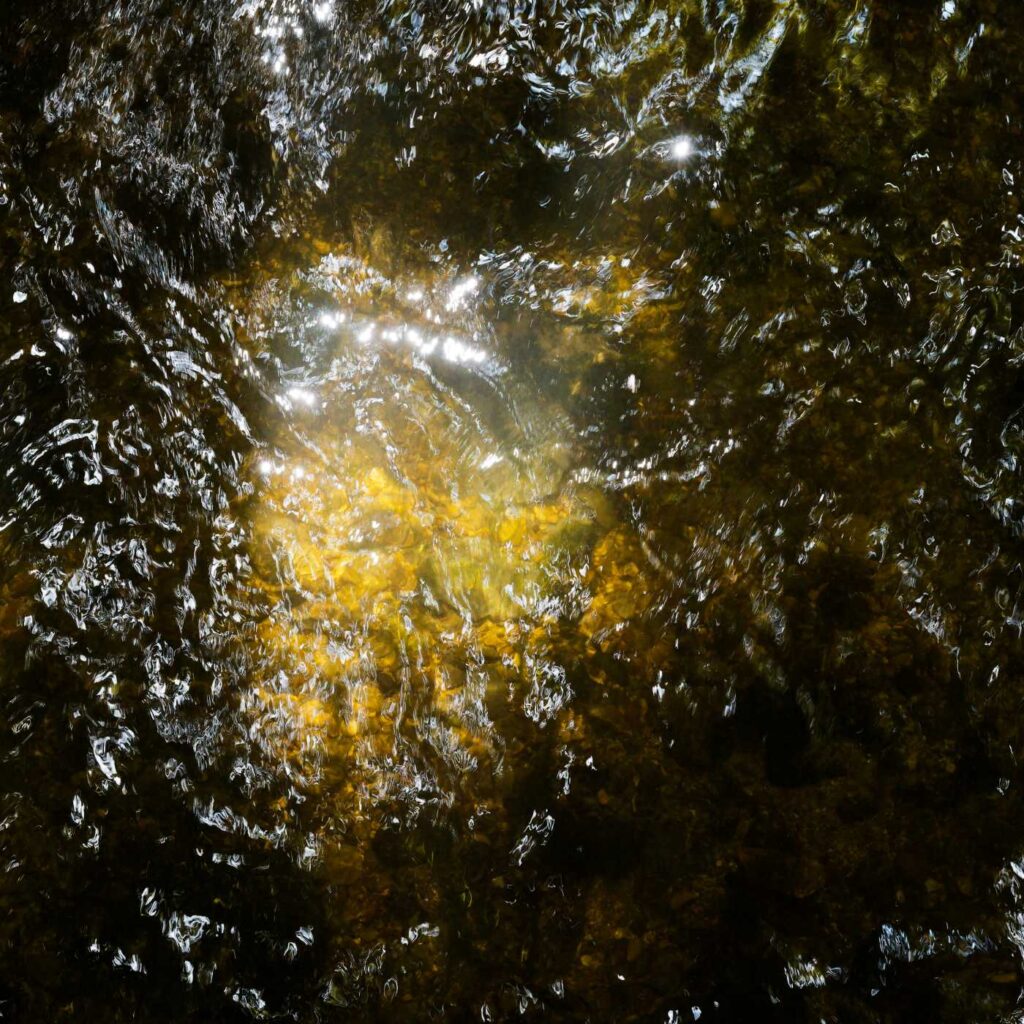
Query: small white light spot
x=460 y=290
x=64 y=334
x=456 y=351
x=302 y=396
x=682 y=148
x=20 y=297
x=631 y=383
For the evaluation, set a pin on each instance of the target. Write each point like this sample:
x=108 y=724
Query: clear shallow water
x=510 y=511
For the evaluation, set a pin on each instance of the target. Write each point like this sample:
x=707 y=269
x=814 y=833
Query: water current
x=511 y=510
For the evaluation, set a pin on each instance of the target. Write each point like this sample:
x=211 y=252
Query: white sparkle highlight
x=302 y=396
x=681 y=148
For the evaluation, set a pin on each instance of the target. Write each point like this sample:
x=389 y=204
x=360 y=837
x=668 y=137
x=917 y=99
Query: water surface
x=511 y=510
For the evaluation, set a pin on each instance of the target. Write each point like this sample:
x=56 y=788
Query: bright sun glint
x=682 y=147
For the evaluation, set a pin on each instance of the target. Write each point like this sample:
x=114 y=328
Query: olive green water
x=511 y=511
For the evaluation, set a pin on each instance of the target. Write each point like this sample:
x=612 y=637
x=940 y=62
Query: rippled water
x=511 y=510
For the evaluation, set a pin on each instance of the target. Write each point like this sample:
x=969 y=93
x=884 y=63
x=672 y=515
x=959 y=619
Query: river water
x=511 y=509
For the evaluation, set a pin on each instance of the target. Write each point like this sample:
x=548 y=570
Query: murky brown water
x=511 y=511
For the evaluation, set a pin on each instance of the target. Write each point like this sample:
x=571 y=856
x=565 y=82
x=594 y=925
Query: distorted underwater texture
x=511 y=510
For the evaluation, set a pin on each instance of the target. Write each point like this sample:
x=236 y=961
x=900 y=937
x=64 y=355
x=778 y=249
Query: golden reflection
x=430 y=565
